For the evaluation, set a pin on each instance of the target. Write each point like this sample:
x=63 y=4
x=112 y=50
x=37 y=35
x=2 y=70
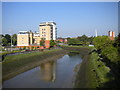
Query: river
x=58 y=73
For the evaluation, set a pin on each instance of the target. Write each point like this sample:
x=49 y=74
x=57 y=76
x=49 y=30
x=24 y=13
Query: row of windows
x=43 y=28
x=43 y=35
x=43 y=32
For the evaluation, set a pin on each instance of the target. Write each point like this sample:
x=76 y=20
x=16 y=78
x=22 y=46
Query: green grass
x=8 y=52
x=14 y=63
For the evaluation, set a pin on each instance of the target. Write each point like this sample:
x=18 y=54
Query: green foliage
x=105 y=45
x=42 y=42
x=84 y=40
x=37 y=46
x=14 y=39
x=52 y=43
x=24 y=47
x=96 y=71
x=4 y=42
x=8 y=37
x=73 y=41
x=32 y=48
x=111 y=53
x=58 y=41
x=117 y=43
x=101 y=42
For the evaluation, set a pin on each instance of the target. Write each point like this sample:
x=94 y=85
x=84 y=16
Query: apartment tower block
x=47 y=31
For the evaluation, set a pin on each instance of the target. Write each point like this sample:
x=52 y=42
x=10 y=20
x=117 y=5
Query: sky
x=72 y=18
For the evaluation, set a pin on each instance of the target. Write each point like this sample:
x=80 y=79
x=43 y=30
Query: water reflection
x=72 y=54
x=59 y=73
x=47 y=71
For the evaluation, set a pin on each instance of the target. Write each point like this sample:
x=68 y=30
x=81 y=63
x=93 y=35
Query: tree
x=110 y=52
x=83 y=38
x=1 y=37
x=24 y=47
x=14 y=39
x=52 y=43
x=4 y=42
x=8 y=37
x=101 y=42
x=32 y=48
x=42 y=42
x=73 y=41
x=117 y=43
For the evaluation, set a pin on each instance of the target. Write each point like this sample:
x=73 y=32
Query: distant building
x=47 y=30
x=111 y=35
x=36 y=38
x=23 y=38
x=62 y=40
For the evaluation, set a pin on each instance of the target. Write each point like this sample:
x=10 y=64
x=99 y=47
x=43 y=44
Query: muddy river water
x=58 y=73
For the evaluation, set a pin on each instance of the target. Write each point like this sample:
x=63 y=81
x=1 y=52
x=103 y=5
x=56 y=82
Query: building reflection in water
x=47 y=71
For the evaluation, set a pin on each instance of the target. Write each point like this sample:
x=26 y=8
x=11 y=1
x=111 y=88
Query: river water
x=52 y=74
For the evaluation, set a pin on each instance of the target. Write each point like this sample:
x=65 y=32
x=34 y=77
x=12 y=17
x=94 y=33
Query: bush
x=111 y=53
x=24 y=47
x=101 y=42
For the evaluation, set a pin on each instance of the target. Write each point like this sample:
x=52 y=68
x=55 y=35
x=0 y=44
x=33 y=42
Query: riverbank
x=14 y=65
x=92 y=72
x=81 y=77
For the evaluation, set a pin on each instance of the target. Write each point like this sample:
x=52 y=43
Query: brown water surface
x=52 y=74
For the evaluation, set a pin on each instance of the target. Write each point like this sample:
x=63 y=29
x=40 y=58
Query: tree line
x=109 y=51
x=80 y=40
x=6 y=39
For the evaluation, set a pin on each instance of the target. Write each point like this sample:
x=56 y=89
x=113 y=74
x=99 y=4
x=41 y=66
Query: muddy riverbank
x=14 y=65
x=51 y=73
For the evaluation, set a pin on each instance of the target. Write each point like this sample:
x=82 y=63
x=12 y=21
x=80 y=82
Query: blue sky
x=73 y=18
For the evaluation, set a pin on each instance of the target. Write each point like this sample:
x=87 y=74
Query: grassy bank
x=93 y=73
x=81 y=78
x=14 y=65
x=82 y=50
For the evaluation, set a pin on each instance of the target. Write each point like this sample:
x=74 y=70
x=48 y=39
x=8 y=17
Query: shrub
x=111 y=53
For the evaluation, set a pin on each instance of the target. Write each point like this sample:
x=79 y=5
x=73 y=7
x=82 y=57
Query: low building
x=23 y=38
x=62 y=40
